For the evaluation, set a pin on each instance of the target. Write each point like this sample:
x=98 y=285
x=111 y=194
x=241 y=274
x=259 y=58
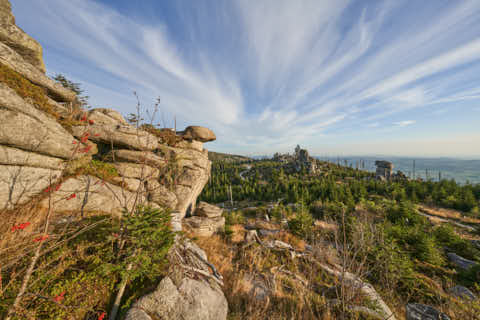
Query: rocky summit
x=108 y=216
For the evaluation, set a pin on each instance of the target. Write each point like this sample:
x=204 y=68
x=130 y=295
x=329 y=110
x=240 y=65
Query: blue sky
x=337 y=77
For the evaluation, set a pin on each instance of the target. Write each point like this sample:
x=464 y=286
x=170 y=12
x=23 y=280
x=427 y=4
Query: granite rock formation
x=384 y=170
x=95 y=162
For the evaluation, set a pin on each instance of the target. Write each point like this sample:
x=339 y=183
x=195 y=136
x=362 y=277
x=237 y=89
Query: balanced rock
x=198 y=133
x=208 y=210
x=417 y=311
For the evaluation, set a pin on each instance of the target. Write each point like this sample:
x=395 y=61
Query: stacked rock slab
x=33 y=145
x=14 y=37
x=206 y=221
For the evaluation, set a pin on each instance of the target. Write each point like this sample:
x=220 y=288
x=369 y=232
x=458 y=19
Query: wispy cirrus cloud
x=404 y=123
x=267 y=75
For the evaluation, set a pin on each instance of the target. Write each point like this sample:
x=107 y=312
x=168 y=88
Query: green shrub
x=447 y=237
x=301 y=225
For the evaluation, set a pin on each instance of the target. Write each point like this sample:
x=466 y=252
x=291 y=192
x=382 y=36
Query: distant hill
x=218 y=156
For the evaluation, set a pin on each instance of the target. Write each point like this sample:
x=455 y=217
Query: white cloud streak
x=275 y=72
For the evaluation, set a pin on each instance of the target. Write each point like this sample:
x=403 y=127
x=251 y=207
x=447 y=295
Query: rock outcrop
x=97 y=163
x=190 y=292
x=14 y=37
x=384 y=170
x=417 y=311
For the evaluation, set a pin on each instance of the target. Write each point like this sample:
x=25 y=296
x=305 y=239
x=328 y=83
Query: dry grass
x=266 y=284
x=448 y=214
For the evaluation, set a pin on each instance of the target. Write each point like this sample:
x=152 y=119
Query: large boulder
x=204 y=227
x=417 y=311
x=459 y=261
x=208 y=210
x=17 y=39
x=190 y=300
x=119 y=135
x=198 y=133
x=25 y=127
x=188 y=293
x=462 y=293
x=13 y=60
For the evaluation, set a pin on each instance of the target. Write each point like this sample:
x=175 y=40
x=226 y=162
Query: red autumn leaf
x=74 y=142
x=21 y=226
x=84 y=118
x=58 y=187
x=59 y=297
x=48 y=189
x=91 y=121
x=39 y=239
x=100 y=317
x=73 y=195
x=97 y=134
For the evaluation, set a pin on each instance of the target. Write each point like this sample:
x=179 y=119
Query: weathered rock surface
x=462 y=292
x=195 y=145
x=140 y=157
x=14 y=61
x=459 y=261
x=106 y=116
x=159 y=194
x=119 y=135
x=138 y=171
x=18 y=157
x=205 y=227
x=208 y=210
x=186 y=295
x=89 y=195
x=417 y=311
x=191 y=300
x=198 y=133
x=25 y=127
x=33 y=150
x=19 y=184
x=17 y=39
